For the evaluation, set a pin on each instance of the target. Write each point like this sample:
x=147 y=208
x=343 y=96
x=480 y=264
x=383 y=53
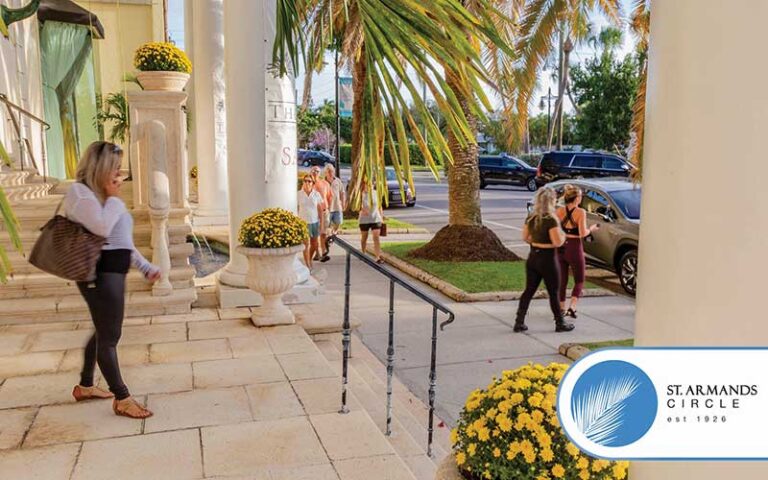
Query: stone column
x=189 y=49
x=702 y=239
x=261 y=131
x=208 y=116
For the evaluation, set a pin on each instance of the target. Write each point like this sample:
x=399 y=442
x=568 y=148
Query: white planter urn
x=271 y=273
x=163 y=81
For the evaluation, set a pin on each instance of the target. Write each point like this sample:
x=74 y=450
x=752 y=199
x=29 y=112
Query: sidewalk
x=478 y=345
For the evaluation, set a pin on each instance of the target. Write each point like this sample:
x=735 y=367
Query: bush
x=511 y=430
x=161 y=57
x=417 y=159
x=273 y=228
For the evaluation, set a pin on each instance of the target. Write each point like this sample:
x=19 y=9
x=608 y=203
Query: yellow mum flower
x=584 y=475
x=484 y=434
x=547 y=455
x=572 y=449
x=472 y=449
x=454 y=436
x=582 y=463
x=496 y=452
x=619 y=471
x=461 y=458
x=558 y=471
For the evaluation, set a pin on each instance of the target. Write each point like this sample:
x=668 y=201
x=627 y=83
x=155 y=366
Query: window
x=586 y=161
x=512 y=164
x=490 y=161
x=628 y=202
x=593 y=200
x=610 y=163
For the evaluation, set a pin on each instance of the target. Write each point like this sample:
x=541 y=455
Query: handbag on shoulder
x=67 y=249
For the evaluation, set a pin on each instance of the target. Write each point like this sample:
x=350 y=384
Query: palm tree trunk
x=358 y=88
x=463 y=175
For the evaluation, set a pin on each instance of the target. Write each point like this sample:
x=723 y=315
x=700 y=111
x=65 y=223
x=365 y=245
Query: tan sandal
x=128 y=407
x=82 y=393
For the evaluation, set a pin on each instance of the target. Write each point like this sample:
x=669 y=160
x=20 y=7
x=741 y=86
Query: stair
x=367 y=384
x=34 y=296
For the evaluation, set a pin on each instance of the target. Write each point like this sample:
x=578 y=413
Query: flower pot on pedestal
x=163 y=81
x=271 y=273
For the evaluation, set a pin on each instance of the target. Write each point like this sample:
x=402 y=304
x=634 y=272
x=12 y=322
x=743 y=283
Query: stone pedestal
x=702 y=239
x=166 y=108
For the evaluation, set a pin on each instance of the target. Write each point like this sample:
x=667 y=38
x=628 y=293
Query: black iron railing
x=347 y=334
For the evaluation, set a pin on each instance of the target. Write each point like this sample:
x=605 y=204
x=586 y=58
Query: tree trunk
x=358 y=88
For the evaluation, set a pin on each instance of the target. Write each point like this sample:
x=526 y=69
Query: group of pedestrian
x=321 y=203
x=556 y=238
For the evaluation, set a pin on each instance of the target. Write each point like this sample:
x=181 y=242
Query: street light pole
x=338 y=118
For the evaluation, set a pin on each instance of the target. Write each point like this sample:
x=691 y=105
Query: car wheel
x=412 y=204
x=531 y=184
x=628 y=271
x=482 y=183
x=306 y=163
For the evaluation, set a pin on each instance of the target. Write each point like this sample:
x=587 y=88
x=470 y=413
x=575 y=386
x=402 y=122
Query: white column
x=261 y=132
x=702 y=239
x=189 y=49
x=209 y=114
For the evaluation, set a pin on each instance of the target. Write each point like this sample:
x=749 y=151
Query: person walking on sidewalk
x=310 y=207
x=324 y=189
x=542 y=231
x=571 y=255
x=337 y=203
x=93 y=202
x=371 y=218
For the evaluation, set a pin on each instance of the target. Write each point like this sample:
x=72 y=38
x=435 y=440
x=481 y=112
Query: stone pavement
x=477 y=346
x=230 y=401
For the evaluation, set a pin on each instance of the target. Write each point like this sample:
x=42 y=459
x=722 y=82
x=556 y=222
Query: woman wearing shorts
x=371 y=218
x=311 y=211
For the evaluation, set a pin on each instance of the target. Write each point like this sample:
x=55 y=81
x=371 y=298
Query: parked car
x=561 y=165
x=506 y=170
x=393 y=191
x=309 y=158
x=614 y=204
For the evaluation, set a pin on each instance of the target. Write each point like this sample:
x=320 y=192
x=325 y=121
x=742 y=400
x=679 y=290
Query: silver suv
x=614 y=204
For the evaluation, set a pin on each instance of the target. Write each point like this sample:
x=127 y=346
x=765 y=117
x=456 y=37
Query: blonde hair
x=570 y=192
x=96 y=166
x=544 y=204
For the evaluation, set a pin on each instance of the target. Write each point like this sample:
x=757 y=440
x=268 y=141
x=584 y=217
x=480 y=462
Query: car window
x=490 y=161
x=593 y=200
x=628 y=201
x=391 y=175
x=610 y=163
x=511 y=163
x=586 y=161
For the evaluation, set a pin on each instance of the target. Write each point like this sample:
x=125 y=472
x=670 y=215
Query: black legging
x=541 y=264
x=106 y=302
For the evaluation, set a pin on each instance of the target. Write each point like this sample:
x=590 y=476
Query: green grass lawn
x=630 y=342
x=472 y=277
x=352 y=224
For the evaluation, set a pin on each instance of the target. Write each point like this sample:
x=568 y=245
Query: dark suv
x=565 y=165
x=506 y=170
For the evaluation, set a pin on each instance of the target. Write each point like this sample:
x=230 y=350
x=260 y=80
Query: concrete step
x=33 y=214
x=10 y=178
x=37 y=285
x=72 y=308
x=409 y=415
x=142 y=236
x=17 y=194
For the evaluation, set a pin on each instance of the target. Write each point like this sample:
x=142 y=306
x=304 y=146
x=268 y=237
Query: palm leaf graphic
x=599 y=412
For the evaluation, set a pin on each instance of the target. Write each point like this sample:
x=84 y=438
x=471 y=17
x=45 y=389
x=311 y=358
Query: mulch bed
x=465 y=243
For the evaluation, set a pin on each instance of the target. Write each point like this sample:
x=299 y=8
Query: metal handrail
x=12 y=106
x=347 y=334
x=4 y=99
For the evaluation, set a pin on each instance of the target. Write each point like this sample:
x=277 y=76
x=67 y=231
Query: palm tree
x=640 y=23
x=541 y=25
x=391 y=47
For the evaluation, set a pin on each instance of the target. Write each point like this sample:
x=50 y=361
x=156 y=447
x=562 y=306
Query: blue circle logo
x=614 y=403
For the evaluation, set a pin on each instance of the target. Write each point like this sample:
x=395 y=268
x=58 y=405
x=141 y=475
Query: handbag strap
x=59 y=207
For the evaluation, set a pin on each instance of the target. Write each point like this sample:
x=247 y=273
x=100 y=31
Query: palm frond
x=11 y=223
x=599 y=412
x=4 y=157
x=637 y=126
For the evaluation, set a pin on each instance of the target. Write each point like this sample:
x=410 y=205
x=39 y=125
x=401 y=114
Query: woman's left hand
x=153 y=276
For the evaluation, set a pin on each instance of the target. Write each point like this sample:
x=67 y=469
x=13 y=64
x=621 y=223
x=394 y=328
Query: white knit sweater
x=110 y=220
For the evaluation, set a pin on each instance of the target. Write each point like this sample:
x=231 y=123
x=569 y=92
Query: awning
x=67 y=11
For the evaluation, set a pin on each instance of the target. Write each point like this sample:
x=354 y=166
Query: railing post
x=345 y=337
x=159 y=203
x=390 y=355
x=432 y=382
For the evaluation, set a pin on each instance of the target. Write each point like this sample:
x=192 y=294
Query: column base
x=233 y=297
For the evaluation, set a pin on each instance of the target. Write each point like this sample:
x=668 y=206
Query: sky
x=323 y=84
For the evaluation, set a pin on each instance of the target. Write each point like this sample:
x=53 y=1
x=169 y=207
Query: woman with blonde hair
x=542 y=231
x=574 y=221
x=93 y=202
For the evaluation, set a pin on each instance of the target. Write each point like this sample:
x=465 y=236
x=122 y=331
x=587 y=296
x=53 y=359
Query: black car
x=393 y=191
x=564 y=165
x=310 y=158
x=506 y=170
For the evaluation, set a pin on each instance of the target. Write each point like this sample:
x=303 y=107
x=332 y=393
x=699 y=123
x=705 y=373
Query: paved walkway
x=478 y=345
x=230 y=401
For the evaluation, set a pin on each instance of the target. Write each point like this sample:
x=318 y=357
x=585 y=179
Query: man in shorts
x=324 y=189
x=338 y=201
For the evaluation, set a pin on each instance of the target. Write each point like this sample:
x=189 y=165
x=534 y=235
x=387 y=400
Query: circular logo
x=614 y=403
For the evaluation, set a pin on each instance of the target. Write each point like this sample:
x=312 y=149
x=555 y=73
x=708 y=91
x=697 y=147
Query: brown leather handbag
x=67 y=249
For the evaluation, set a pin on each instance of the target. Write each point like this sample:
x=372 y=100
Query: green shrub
x=273 y=228
x=162 y=57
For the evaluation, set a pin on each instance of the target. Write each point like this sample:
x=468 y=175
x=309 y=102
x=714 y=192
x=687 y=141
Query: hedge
x=345 y=154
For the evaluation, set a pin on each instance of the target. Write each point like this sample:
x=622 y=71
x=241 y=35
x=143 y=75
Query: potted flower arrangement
x=270 y=241
x=511 y=430
x=162 y=66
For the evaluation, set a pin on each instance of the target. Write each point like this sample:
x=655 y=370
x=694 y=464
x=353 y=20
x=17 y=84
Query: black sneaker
x=562 y=326
x=325 y=258
x=519 y=327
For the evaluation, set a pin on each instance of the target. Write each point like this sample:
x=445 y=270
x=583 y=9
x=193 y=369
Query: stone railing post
x=159 y=203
